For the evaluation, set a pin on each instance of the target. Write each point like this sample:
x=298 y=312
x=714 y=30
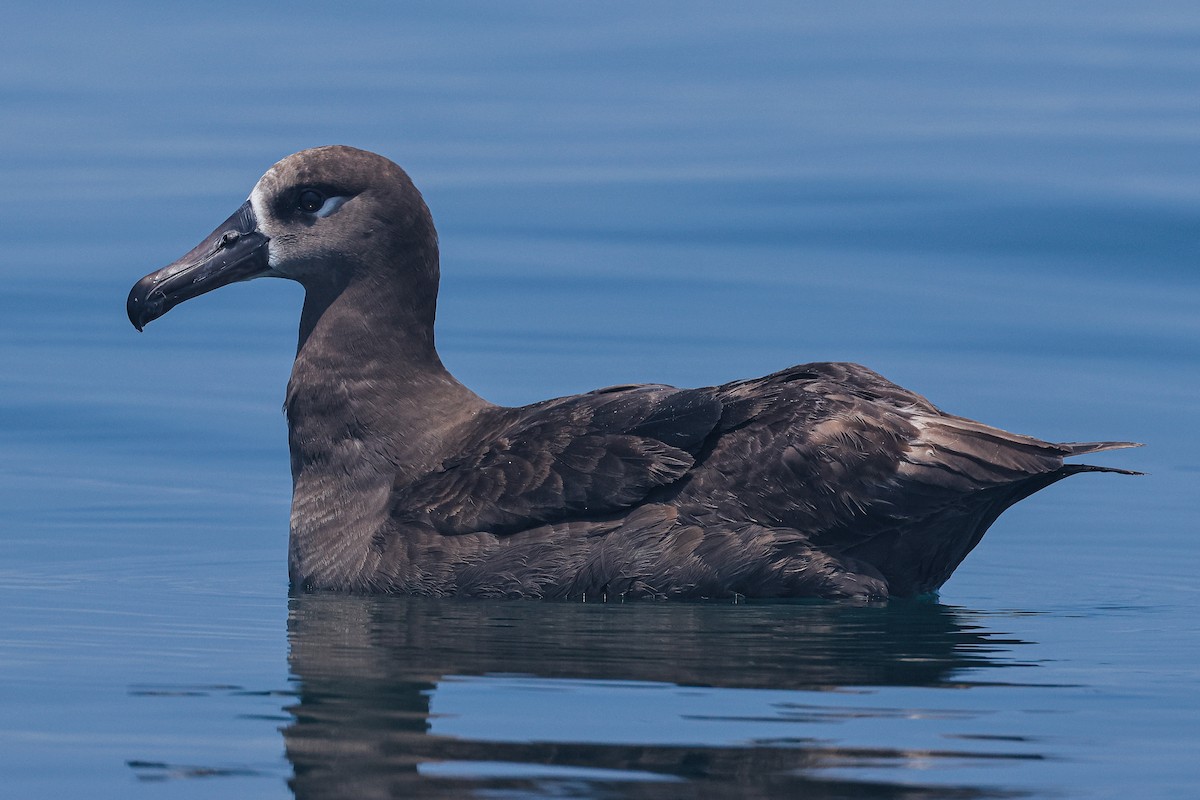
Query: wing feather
x=582 y=456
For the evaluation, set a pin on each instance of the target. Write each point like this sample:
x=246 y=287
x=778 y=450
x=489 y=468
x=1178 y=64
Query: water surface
x=996 y=207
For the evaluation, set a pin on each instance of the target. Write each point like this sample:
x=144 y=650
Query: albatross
x=822 y=480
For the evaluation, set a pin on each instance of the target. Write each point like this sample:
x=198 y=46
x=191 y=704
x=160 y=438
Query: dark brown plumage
x=823 y=480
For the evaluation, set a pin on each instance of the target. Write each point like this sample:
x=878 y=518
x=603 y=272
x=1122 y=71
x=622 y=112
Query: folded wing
x=586 y=455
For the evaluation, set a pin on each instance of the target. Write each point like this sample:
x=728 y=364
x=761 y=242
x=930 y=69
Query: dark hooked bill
x=235 y=251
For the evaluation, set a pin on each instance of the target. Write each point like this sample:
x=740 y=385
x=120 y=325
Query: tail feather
x=1075 y=469
x=1083 y=448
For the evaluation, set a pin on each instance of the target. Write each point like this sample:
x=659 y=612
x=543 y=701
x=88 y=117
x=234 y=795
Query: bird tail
x=1084 y=448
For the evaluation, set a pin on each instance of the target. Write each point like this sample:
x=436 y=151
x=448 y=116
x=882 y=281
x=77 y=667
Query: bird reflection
x=366 y=669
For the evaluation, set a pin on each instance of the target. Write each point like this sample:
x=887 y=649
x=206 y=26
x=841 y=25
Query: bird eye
x=310 y=201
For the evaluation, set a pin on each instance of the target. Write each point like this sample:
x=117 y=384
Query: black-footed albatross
x=822 y=480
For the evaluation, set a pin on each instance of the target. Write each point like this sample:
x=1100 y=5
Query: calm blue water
x=997 y=206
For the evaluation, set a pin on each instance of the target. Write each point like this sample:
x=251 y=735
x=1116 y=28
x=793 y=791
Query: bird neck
x=366 y=353
x=369 y=405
